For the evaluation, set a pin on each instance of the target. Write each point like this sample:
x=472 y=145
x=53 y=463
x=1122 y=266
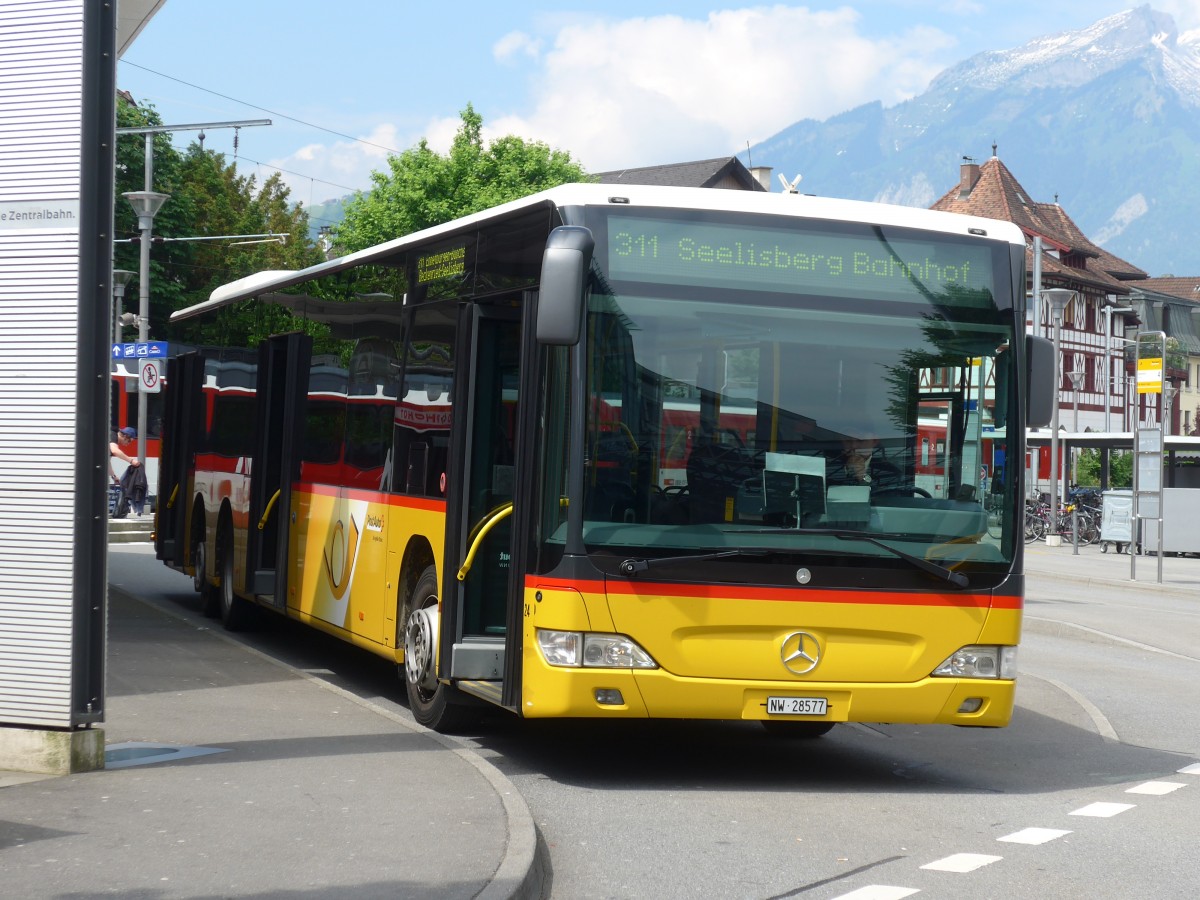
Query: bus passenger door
x=282 y=392
x=479 y=539
x=182 y=421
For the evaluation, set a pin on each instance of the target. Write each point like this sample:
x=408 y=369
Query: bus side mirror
x=565 y=266
x=1039 y=381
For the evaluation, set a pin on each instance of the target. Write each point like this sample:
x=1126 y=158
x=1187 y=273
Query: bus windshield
x=769 y=386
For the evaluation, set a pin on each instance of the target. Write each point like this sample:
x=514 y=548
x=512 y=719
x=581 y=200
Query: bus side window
x=418 y=467
x=421 y=433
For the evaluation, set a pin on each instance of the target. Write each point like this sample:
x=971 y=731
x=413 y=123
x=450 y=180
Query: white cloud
x=962 y=8
x=1185 y=12
x=516 y=43
x=333 y=170
x=653 y=90
x=662 y=89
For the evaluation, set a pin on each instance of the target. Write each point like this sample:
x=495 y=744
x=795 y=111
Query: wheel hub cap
x=420 y=648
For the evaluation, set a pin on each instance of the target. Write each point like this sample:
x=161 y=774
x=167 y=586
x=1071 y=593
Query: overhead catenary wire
x=262 y=108
x=343 y=187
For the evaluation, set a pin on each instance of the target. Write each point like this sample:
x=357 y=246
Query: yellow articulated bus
x=634 y=452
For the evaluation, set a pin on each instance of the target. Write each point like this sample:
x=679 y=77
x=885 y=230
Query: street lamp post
x=1076 y=384
x=146 y=204
x=1058 y=297
x=1133 y=401
x=1169 y=393
x=120 y=278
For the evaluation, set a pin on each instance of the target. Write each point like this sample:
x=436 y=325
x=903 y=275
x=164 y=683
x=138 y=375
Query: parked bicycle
x=1073 y=520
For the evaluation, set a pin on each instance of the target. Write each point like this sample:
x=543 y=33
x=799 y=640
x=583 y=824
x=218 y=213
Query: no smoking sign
x=150 y=376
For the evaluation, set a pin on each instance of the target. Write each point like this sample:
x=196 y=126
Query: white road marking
x=1103 y=726
x=1034 y=835
x=1156 y=788
x=1103 y=810
x=962 y=862
x=969 y=862
x=879 y=892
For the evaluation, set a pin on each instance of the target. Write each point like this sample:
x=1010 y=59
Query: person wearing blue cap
x=119 y=448
x=133 y=477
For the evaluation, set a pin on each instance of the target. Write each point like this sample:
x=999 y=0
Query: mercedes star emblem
x=800 y=652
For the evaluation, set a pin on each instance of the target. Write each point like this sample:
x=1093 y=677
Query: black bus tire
x=210 y=601
x=432 y=702
x=235 y=611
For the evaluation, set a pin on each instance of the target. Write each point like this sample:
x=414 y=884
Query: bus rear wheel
x=235 y=611
x=210 y=603
x=432 y=702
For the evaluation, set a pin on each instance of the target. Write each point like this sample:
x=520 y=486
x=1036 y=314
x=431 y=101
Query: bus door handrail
x=174 y=494
x=481 y=531
x=262 y=523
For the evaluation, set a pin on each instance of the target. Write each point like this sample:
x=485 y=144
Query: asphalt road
x=1107 y=703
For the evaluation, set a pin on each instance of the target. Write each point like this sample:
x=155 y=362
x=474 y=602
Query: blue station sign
x=141 y=350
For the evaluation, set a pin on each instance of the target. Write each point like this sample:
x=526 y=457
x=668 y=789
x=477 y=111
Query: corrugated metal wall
x=41 y=91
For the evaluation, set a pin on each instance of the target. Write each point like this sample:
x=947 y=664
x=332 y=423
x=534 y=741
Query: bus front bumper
x=622 y=693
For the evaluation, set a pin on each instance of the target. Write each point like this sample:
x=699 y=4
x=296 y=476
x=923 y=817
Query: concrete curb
x=521 y=873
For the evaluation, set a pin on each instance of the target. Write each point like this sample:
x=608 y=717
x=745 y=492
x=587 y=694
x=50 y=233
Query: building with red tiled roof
x=1104 y=284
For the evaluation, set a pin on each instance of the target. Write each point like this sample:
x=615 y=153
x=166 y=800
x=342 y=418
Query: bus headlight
x=980 y=662
x=591 y=650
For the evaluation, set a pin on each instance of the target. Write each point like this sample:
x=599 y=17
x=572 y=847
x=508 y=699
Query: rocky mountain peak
x=1074 y=58
x=1104 y=119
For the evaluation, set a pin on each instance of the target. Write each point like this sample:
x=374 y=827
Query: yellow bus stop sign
x=1150 y=376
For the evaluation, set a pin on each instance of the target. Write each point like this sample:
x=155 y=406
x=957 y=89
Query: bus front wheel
x=430 y=700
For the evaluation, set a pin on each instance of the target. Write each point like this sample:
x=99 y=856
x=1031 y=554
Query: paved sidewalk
x=274 y=784
x=1180 y=573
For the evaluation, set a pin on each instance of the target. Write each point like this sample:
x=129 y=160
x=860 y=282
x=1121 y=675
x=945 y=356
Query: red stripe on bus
x=427 y=504
x=780 y=594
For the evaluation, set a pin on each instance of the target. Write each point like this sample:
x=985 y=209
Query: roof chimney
x=762 y=174
x=968 y=176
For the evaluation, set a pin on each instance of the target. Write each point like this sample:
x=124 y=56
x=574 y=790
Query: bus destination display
x=771 y=259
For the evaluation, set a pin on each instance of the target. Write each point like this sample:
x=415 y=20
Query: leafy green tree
x=208 y=197
x=227 y=203
x=423 y=188
x=1120 y=469
x=167 y=260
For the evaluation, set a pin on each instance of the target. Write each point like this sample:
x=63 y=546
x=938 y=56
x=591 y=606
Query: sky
x=617 y=84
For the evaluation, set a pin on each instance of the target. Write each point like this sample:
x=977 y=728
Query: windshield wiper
x=958 y=579
x=631 y=567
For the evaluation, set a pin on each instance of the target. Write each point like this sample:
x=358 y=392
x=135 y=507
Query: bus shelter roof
x=1108 y=440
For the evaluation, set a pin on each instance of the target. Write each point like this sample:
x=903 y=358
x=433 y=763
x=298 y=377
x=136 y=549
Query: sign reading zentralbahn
x=39 y=215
